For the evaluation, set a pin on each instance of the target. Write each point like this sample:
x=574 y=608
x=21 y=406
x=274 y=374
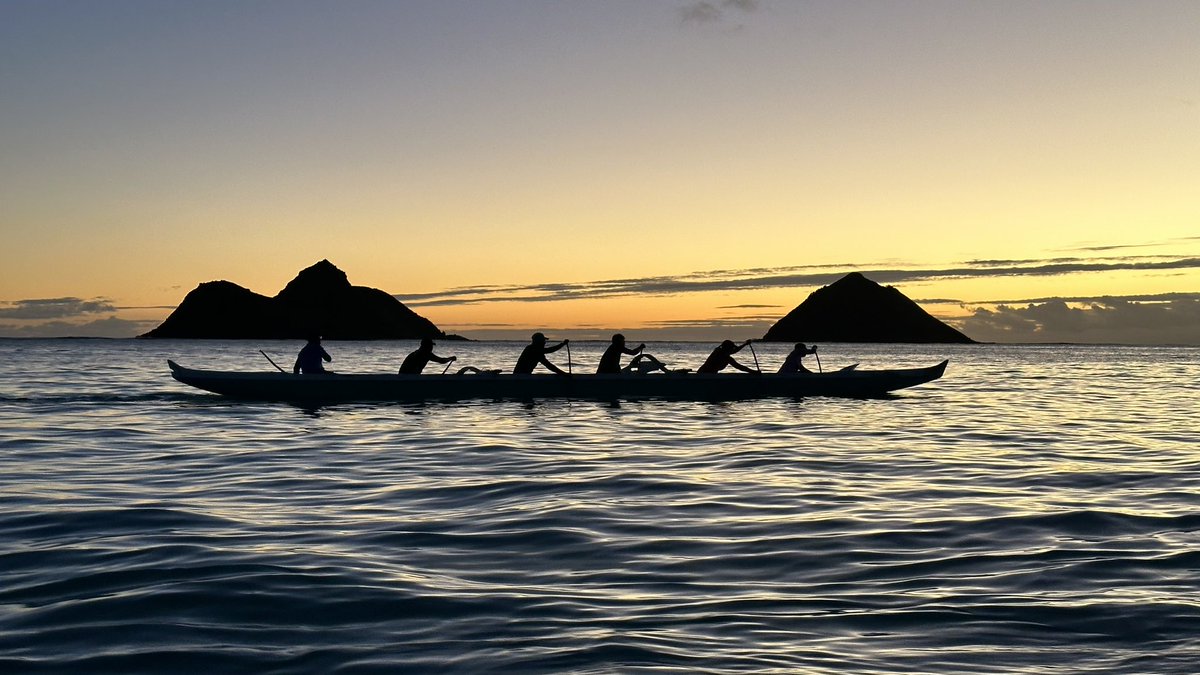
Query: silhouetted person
x=722 y=357
x=534 y=353
x=610 y=362
x=642 y=363
x=794 y=361
x=415 y=362
x=308 y=361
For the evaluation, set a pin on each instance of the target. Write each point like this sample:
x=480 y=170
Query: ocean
x=1037 y=510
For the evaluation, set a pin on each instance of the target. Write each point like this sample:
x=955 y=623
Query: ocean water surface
x=1035 y=511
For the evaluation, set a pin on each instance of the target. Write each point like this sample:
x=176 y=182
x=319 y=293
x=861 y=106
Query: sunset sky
x=1028 y=171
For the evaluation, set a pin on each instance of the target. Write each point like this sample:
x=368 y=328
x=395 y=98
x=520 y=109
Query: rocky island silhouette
x=856 y=309
x=320 y=300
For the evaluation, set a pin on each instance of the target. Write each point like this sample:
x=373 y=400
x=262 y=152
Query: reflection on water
x=1035 y=510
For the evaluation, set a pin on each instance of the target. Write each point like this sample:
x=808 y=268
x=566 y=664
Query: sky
x=675 y=169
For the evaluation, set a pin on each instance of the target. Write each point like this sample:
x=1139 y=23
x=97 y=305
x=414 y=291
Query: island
x=319 y=301
x=856 y=309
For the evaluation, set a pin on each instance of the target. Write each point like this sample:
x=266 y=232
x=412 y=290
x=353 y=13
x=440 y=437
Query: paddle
x=818 y=359
x=272 y=362
x=750 y=343
x=448 y=365
x=568 y=357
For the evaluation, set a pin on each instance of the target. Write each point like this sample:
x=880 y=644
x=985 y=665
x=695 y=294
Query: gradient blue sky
x=1026 y=170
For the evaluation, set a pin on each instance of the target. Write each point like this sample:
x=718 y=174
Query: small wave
x=103 y=522
x=99 y=399
x=1080 y=523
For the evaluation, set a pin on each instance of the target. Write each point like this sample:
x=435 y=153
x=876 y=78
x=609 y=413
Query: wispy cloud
x=54 y=308
x=109 y=327
x=1104 y=248
x=683 y=330
x=715 y=11
x=791 y=277
x=1077 y=299
x=1136 y=319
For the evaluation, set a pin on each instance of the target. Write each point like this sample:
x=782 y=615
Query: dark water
x=1037 y=510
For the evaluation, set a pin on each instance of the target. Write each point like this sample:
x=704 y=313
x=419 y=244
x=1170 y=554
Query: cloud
x=54 y=308
x=65 y=317
x=714 y=11
x=1167 y=318
x=697 y=330
x=69 y=317
x=1077 y=299
x=110 y=327
x=1108 y=320
x=1100 y=248
x=790 y=277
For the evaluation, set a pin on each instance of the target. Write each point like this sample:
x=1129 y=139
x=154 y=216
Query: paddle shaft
x=818 y=361
x=272 y=362
x=755 y=355
x=569 y=357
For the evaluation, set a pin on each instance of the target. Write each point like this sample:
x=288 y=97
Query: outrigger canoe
x=331 y=387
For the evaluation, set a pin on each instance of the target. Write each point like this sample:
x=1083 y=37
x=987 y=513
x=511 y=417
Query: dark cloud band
x=796 y=277
x=55 y=308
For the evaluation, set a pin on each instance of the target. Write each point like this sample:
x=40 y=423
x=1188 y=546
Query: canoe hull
x=676 y=386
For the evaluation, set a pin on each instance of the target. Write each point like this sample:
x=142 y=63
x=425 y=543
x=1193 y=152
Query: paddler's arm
x=742 y=368
x=553 y=368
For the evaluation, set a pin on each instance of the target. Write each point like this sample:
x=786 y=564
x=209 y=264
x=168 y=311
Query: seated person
x=535 y=353
x=610 y=362
x=793 y=362
x=722 y=357
x=308 y=361
x=415 y=362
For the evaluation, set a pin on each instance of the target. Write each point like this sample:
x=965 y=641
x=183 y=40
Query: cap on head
x=538 y=337
x=801 y=345
x=728 y=344
x=427 y=342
